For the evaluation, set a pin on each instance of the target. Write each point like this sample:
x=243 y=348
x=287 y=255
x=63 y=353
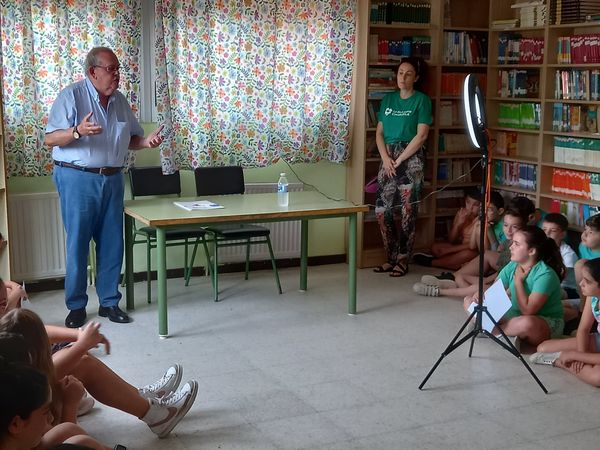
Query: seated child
x=579 y=355
x=532 y=279
x=589 y=248
x=555 y=226
x=454 y=253
x=466 y=279
x=495 y=234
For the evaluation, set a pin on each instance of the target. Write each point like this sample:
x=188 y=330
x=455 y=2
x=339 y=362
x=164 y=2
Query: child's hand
x=72 y=390
x=521 y=273
x=90 y=337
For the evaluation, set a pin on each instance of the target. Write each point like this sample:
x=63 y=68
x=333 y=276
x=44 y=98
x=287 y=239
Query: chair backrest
x=151 y=181
x=219 y=180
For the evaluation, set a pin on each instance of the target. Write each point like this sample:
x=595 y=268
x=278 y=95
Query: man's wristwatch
x=76 y=134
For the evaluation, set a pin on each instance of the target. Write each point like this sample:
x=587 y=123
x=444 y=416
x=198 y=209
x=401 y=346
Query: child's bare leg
x=570 y=312
x=87 y=442
x=439 y=249
x=531 y=329
x=557 y=345
x=109 y=388
x=455 y=260
x=588 y=373
x=459 y=291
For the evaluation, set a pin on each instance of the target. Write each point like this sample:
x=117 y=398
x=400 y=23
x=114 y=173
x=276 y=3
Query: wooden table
x=161 y=214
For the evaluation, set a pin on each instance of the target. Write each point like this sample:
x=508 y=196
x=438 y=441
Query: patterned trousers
x=396 y=208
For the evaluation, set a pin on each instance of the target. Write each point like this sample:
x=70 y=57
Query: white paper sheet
x=497 y=302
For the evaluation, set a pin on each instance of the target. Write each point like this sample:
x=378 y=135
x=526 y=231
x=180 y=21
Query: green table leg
x=161 y=264
x=129 y=262
x=303 y=254
x=352 y=264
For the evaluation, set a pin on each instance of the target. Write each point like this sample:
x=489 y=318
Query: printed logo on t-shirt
x=397 y=113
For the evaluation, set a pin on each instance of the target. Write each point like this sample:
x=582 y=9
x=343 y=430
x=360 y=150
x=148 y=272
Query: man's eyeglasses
x=110 y=69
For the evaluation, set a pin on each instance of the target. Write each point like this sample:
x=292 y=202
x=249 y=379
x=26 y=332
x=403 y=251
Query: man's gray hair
x=91 y=59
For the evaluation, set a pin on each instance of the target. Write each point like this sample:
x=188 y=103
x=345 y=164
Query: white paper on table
x=497 y=302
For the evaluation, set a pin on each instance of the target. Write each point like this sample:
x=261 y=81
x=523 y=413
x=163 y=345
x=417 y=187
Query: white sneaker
x=435 y=281
x=516 y=342
x=167 y=384
x=544 y=358
x=426 y=289
x=165 y=413
x=85 y=405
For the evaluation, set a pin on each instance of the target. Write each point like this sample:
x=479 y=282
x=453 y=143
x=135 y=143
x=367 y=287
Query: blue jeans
x=92 y=207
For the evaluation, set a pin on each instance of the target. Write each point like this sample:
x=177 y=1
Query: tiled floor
x=296 y=372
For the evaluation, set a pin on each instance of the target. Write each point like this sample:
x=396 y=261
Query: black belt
x=99 y=170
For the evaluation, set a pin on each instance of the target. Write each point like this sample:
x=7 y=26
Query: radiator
x=37 y=236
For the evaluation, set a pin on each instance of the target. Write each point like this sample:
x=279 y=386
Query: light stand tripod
x=475 y=118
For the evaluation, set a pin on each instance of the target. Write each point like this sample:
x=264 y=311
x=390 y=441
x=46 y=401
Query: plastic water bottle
x=282 y=190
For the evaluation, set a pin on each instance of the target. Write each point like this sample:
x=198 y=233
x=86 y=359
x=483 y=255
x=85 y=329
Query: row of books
x=454 y=143
x=577 y=84
x=372 y=111
x=532 y=13
x=579 y=151
x=400 y=12
x=382 y=76
x=515 y=49
x=395 y=50
x=578 y=49
x=516 y=174
x=451 y=169
x=452 y=82
x=576 y=213
x=450 y=114
x=506 y=143
x=584 y=185
x=519 y=115
x=519 y=83
x=572 y=11
x=450 y=198
x=569 y=117
x=461 y=47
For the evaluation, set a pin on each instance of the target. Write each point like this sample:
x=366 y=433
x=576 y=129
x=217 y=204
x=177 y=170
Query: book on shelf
x=198 y=205
x=572 y=11
x=514 y=173
x=518 y=83
x=519 y=115
x=400 y=12
x=573 y=117
x=372 y=114
x=585 y=185
x=577 y=151
x=578 y=49
x=451 y=169
x=461 y=47
x=577 y=84
x=396 y=49
x=449 y=113
x=450 y=198
x=506 y=143
x=576 y=213
x=454 y=143
x=516 y=49
x=532 y=13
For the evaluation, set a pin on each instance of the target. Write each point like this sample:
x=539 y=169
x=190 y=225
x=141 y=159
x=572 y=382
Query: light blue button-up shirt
x=107 y=149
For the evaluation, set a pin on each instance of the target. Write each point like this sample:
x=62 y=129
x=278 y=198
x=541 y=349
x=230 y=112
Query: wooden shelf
x=571 y=167
x=514 y=99
x=441 y=155
x=515 y=189
x=516 y=130
x=514 y=159
x=574 y=102
x=569 y=198
x=403 y=26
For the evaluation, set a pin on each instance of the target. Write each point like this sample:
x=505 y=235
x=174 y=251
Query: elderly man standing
x=91 y=127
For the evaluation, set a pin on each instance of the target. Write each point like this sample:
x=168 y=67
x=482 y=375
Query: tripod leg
x=509 y=346
x=454 y=343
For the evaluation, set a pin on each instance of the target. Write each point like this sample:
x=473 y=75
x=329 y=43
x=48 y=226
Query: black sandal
x=381 y=269
x=399 y=270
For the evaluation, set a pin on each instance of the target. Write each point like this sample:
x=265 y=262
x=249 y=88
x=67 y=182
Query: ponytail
x=546 y=249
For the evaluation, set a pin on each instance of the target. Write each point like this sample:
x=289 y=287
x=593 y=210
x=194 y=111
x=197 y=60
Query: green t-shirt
x=543 y=279
x=400 y=117
x=587 y=253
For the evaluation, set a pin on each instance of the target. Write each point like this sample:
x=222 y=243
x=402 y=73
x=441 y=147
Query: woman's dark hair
x=594 y=222
x=557 y=219
x=522 y=204
x=420 y=67
x=23 y=389
x=546 y=248
x=14 y=348
x=593 y=265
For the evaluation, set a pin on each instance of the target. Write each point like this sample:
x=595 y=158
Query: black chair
x=225 y=181
x=150 y=181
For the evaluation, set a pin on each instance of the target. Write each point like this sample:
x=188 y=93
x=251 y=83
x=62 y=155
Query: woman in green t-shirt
x=402 y=129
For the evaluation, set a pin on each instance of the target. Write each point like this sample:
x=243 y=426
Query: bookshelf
x=4 y=247
x=553 y=153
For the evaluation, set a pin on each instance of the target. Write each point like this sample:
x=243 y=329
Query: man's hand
x=154 y=139
x=87 y=127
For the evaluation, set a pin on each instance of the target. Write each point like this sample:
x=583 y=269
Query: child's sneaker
x=516 y=342
x=167 y=384
x=544 y=358
x=422 y=259
x=426 y=289
x=437 y=281
x=165 y=413
x=85 y=404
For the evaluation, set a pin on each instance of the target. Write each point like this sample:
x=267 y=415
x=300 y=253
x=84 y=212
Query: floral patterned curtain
x=250 y=82
x=43 y=48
